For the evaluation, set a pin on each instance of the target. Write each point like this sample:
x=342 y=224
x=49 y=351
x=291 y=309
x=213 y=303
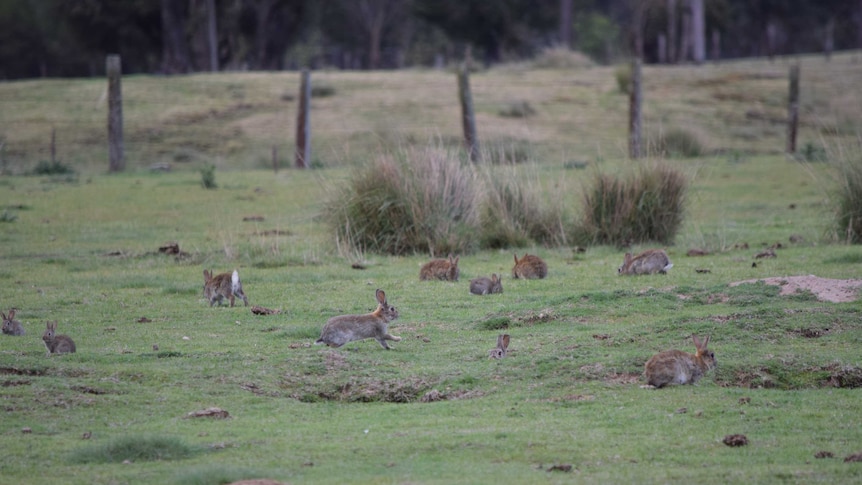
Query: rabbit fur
x=10 y=325
x=348 y=328
x=678 y=367
x=57 y=344
x=502 y=345
x=225 y=285
x=486 y=286
x=440 y=269
x=529 y=267
x=648 y=262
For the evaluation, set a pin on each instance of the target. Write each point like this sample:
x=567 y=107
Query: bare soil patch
x=825 y=289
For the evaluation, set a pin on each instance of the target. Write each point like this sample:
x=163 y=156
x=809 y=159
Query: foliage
x=419 y=201
x=848 y=218
x=208 y=176
x=649 y=205
x=623 y=75
x=598 y=36
x=561 y=58
x=133 y=448
x=677 y=143
x=56 y=167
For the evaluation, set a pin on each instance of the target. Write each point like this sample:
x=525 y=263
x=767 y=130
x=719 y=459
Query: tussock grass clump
x=678 y=143
x=202 y=475
x=56 y=167
x=562 y=58
x=849 y=201
x=422 y=201
x=513 y=212
x=648 y=206
x=134 y=449
x=208 y=177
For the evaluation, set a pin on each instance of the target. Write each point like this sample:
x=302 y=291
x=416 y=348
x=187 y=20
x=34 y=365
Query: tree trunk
x=635 y=101
x=375 y=36
x=829 y=38
x=566 y=23
x=468 y=119
x=793 y=109
x=212 y=35
x=661 y=47
x=175 y=49
x=698 y=31
x=716 y=45
x=303 y=121
x=671 y=32
x=685 y=38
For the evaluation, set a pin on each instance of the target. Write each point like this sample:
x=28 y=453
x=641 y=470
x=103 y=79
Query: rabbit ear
x=503 y=341
x=698 y=344
x=516 y=257
x=4 y=316
x=381 y=297
x=455 y=261
x=11 y=314
x=494 y=277
x=207 y=274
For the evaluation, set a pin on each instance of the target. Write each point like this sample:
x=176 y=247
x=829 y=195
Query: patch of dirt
x=825 y=289
x=216 y=413
x=735 y=440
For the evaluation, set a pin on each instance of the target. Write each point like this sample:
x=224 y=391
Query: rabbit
x=529 y=267
x=440 y=269
x=648 y=262
x=225 y=285
x=502 y=345
x=348 y=328
x=486 y=286
x=10 y=325
x=678 y=367
x=57 y=344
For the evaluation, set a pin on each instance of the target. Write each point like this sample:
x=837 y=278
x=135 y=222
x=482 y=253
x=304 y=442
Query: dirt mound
x=825 y=289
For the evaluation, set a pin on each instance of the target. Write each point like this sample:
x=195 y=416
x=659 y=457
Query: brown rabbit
x=440 y=269
x=57 y=344
x=502 y=345
x=678 y=367
x=486 y=286
x=225 y=285
x=648 y=262
x=529 y=267
x=348 y=328
x=10 y=325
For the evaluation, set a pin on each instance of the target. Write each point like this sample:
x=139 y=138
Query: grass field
x=564 y=406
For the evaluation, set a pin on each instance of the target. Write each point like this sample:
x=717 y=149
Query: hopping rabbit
x=225 y=285
x=648 y=262
x=502 y=345
x=486 y=286
x=440 y=269
x=348 y=328
x=57 y=344
x=10 y=325
x=529 y=267
x=678 y=367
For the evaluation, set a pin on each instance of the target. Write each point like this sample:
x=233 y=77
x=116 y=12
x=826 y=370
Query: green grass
x=84 y=252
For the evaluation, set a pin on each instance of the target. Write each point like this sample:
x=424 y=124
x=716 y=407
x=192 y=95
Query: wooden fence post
x=635 y=100
x=468 y=119
x=303 y=129
x=793 y=109
x=115 y=114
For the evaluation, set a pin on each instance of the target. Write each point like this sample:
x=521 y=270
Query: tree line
x=62 y=38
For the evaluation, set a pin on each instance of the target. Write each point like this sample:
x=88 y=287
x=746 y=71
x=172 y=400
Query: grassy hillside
x=84 y=251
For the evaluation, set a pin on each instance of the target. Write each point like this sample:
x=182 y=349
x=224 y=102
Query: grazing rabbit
x=57 y=344
x=225 y=285
x=678 y=367
x=502 y=345
x=529 y=267
x=648 y=262
x=486 y=286
x=10 y=325
x=348 y=328
x=440 y=269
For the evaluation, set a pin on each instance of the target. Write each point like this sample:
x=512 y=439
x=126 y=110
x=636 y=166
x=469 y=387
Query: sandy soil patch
x=824 y=289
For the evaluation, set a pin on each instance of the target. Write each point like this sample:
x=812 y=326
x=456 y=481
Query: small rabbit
x=225 y=285
x=348 y=328
x=502 y=345
x=529 y=267
x=648 y=262
x=57 y=344
x=10 y=325
x=678 y=367
x=440 y=269
x=486 y=286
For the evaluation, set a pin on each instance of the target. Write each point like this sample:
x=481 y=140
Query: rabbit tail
x=236 y=287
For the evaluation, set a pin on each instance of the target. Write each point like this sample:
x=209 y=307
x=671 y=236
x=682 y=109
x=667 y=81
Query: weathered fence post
x=635 y=100
x=793 y=109
x=468 y=118
x=115 y=114
x=303 y=130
